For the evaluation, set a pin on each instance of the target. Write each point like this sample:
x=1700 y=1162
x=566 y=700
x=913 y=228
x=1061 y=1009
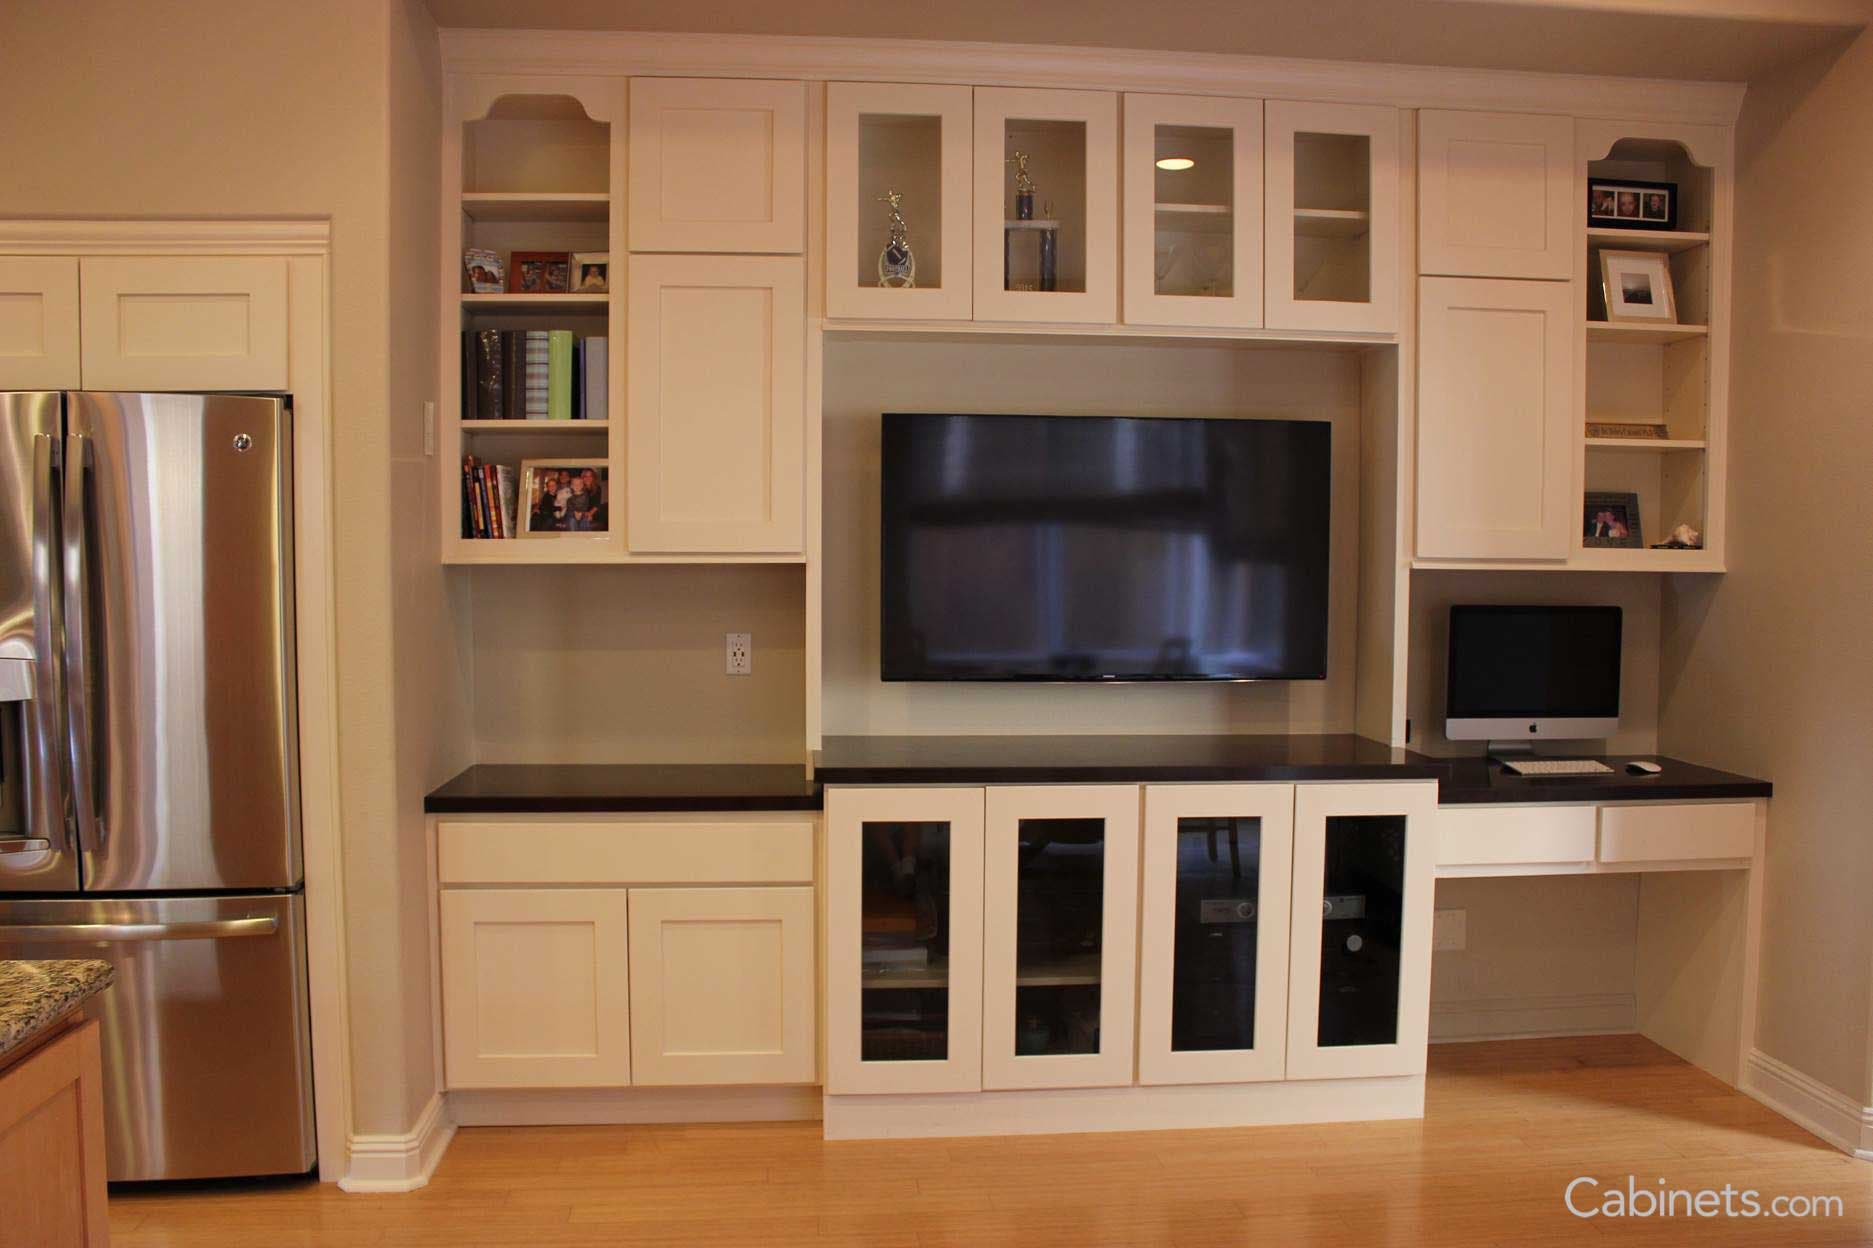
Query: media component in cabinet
x=908 y=257
x=717 y=165
x=1332 y=217
x=1059 y=935
x=1359 y=996
x=1193 y=211
x=904 y=940
x=1495 y=195
x=1213 y=934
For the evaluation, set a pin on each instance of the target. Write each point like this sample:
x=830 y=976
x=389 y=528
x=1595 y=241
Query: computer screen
x=1530 y=664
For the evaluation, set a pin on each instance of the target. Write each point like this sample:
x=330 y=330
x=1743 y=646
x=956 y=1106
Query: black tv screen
x=1104 y=548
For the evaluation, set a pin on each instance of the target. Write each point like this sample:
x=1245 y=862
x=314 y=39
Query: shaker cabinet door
x=184 y=323
x=717 y=164
x=1332 y=217
x=1496 y=195
x=39 y=323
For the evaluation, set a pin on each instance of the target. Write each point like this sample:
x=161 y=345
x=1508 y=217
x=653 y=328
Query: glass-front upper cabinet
x=1332 y=217
x=903 y=940
x=1059 y=936
x=897 y=201
x=1360 y=968
x=1193 y=211
x=1046 y=212
x=1213 y=935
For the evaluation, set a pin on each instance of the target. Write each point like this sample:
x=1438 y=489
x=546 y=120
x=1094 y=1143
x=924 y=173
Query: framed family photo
x=539 y=273
x=1615 y=203
x=591 y=272
x=1637 y=286
x=1612 y=521
x=564 y=497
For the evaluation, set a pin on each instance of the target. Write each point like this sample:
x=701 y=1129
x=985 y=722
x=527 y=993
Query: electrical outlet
x=429 y=428
x=741 y=654
x=1450 y=930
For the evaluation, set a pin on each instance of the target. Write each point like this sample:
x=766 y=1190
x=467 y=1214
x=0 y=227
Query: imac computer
x=1519 y=675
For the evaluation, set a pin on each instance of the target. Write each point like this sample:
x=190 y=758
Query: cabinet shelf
x=535 y=426
x=1629 y=332
x=535 y=303
x=1196 y=218
x=1645 y=444
x=1331 y=222
x=1669 y=241
x=536 y=206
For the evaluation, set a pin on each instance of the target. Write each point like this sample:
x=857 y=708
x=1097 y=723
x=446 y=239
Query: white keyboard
x=1557 y=767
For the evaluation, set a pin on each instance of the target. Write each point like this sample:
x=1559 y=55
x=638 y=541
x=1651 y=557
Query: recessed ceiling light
x=1176 y=164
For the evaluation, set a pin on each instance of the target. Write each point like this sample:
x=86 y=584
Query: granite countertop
x=33 y=995
x=596 y=788
x=1477 y=781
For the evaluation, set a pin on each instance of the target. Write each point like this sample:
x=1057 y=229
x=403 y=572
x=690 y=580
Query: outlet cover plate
x=741 y=654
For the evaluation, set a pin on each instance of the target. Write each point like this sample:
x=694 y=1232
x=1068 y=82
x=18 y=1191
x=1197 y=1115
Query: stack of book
x=490 y=499
x=532 y=374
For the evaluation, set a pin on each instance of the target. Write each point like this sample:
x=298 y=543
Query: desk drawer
x=1677 y=833
x=1489 y=835
x=772 y=850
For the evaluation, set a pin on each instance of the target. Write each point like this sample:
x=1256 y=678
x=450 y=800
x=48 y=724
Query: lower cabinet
x=52 y=1190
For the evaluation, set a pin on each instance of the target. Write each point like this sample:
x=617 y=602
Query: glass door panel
x=1332 y=214
x=1213 y=994
x=904 y=940
x=1332 y=217
x=1061 y=888
x=1362 y=917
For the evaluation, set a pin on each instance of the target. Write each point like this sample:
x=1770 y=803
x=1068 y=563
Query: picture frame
x=484 y=270
x=591 y=272
x=564 y=498
x=1637 y=289
x=1622 y=204
x=539 y=273
x=1610 y=521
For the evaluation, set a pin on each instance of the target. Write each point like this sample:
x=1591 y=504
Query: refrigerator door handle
x=24 y=845
x=48 y=627
x=78 y=691
x=82 y=933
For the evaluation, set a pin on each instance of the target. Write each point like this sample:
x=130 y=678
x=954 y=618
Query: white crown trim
x=284 y=237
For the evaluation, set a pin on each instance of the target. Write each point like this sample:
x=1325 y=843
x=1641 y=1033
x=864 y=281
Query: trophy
x=1024 y=187
x=897 y=264
x=1030 y=248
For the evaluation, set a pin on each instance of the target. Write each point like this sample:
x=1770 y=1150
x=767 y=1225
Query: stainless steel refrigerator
x=149 y=809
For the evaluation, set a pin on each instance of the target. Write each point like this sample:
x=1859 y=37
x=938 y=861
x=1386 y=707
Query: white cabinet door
x=717 y=164
x=39 y=323
x=1213 y=937
x=914 y=140
x=1496 y=195
x=1193 y=211
x=1497 y=419
x=1332 y=217
x=903 y=940
x=723 y=986
x=183 y=323
x=1359 y=977
x=1070 y=143
x=535 y=988
x=1060 y=936
x=717 y=428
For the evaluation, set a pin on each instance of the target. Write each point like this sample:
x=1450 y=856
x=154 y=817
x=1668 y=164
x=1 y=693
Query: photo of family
x=1632 y=205
x=1612 y=520
x=539 y=273
x=564 y=496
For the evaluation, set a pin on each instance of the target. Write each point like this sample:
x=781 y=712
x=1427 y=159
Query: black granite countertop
x=595 y=788
x=34 y=995
x=1118 y=759
x=1474 y=781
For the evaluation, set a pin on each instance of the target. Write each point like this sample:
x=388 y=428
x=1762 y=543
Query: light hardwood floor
x=1507 y=1126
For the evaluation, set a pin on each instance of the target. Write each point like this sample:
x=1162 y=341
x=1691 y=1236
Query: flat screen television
x=1080 y=548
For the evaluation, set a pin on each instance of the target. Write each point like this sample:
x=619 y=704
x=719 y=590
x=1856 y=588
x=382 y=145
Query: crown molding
x=1033 y=65
x=298 y=237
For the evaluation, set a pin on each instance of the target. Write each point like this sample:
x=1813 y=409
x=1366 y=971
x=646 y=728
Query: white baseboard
x=400 y=1163
x=1521 y=1018
x=1810 y=1104
x=531 y=1107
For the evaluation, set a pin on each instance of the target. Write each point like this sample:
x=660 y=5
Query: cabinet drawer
x=183 y=323
x=1486 y=835
x=1677 y=833
x=776 y=851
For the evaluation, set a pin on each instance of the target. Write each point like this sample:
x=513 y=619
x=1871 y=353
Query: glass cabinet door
x=897 y=201
x=1360 y=968
x=904 y=940
x=1046 y=215
x=1193 y=211
x=1059 y=936
x=1213 y=968
x=1332 y=217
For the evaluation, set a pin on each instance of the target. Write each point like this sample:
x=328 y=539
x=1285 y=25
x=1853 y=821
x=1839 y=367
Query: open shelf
x=1645 y=444
x=534 y=303
x=1627 y=331
x=1331 y=222
x=1670 y=242
x=536 y=206
x=535 y=426
x=934 y=975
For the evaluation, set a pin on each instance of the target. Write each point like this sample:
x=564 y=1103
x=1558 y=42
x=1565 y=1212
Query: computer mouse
x=1644 y=769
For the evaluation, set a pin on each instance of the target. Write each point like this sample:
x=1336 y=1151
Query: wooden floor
x=1507 y=1126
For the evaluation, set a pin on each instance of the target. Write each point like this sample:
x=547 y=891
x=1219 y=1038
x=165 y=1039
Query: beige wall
x=222 y=108
x=1106 y=379
x=1769 y=670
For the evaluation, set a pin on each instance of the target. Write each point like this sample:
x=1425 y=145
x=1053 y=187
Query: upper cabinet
x=1496 y=195
x=38 y=323
x=1193 y=211
x=183 y=322
x=717 y=165
x=897 y=201
x=1046 y=214
x=1332 y=217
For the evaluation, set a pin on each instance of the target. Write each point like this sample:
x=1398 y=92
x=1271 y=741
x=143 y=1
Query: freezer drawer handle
x=24 y=845
x=80 y=933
